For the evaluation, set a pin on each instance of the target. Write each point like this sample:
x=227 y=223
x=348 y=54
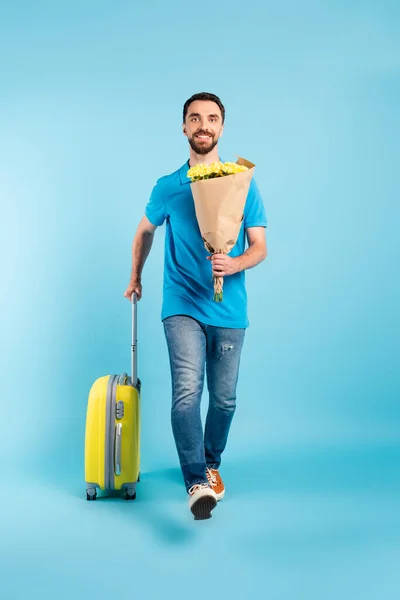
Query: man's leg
x=224 y=348
x=186 y=342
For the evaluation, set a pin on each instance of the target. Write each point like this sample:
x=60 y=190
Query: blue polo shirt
x=188 y=281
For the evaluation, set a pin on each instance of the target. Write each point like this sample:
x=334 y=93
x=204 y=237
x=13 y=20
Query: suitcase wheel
x=130 y=496
x=92 y=495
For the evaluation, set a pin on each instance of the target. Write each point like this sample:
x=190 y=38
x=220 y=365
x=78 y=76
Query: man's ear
x=184 y=129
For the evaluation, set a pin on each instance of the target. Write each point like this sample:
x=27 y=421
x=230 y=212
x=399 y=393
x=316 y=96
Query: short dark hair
x=204 y=96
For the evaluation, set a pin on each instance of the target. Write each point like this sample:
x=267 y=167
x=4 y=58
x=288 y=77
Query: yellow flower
x=215 y=169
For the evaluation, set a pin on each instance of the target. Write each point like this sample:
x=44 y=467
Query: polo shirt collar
x=183 y=171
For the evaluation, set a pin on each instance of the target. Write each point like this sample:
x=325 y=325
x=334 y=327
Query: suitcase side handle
x=134 y=379
x=118 y=448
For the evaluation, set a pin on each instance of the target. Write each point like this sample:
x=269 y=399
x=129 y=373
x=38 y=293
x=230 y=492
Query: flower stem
x=218 y=294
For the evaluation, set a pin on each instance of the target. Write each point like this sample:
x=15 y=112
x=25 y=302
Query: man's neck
x=209 y=158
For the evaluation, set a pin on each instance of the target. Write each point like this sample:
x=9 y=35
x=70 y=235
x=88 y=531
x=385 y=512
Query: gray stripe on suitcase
x=109 y=445
x=113 y=406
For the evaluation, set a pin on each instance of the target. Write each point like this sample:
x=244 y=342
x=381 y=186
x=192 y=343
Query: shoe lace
x=198 y=486
x=211 y=477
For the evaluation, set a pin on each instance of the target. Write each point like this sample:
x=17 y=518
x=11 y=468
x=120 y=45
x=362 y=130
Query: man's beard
x=202 y=148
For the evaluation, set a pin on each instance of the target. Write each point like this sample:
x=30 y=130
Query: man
x=202 y=336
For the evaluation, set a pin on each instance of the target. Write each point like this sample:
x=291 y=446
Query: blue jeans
x=193 y=349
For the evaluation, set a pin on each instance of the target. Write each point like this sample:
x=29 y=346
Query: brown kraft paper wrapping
x=219 y=204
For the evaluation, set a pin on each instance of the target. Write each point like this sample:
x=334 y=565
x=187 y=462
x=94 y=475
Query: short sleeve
x=155 y=209
x=254 y=211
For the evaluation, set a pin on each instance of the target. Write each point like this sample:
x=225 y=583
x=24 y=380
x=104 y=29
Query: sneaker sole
x=220 y=495
x=202 y=508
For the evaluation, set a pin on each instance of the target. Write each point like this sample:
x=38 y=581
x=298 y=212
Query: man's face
x=203 y=125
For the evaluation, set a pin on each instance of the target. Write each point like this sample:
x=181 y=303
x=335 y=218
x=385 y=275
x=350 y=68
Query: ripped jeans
x=195 y=348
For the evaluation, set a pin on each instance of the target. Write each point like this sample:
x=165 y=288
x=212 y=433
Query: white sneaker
x=202 y=500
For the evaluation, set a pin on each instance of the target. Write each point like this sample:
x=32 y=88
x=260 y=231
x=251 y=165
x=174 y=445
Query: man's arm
x=257 y=250
x=141 y=247
x=223 y=265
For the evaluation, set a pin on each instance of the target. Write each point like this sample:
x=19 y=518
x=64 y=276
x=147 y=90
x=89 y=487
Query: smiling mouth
x=202 y=137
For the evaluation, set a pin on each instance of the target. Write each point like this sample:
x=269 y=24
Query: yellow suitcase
x=112 y=438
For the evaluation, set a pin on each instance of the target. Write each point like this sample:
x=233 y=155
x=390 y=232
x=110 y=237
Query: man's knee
x=186 y=394
x=224 y=403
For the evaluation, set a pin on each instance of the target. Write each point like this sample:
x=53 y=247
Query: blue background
x=91 y=95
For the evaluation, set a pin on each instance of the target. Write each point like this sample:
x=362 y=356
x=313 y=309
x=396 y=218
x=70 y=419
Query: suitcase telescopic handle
x=134 y=340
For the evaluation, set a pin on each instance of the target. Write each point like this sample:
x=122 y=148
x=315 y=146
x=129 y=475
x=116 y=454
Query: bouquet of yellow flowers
x=220 y=192
x=215 y=169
